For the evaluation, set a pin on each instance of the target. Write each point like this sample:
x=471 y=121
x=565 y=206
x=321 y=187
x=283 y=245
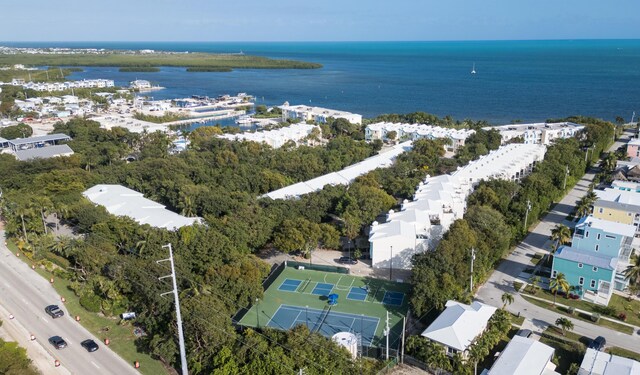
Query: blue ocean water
x=515 y=80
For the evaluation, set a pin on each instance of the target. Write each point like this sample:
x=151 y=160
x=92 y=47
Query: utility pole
x=526 y=215
x=473 y=257
x=391 y=264
x=257 y=313
x=183 y=352
x=564 y=186
x=404 y=327
x=386 y=333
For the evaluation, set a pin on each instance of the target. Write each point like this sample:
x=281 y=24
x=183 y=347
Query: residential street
x=538 y=241
x=25 y=294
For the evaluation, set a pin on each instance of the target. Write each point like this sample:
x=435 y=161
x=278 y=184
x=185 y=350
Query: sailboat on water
x=473 y=70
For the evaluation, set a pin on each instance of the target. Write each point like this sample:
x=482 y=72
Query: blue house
x=595 y=261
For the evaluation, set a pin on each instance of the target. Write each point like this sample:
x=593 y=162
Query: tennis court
x=290 y=285
x=325 y=322
x=357 y=294
x=393 y=298
x=322 y=289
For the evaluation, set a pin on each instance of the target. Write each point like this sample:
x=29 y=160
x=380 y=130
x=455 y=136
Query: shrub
x=91 y=303
x=622 y=316
x=595 y=317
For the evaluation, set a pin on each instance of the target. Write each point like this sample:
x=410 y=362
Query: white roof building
x=122 y=201
x=439 y=201
x=601 y=363
x=524 y=356
x=537 y=133
x=417 y=131
x=317 y=114
x=43 y=152
x=274 y=138
x=459 y=324
x=343 y=177
x=626 y=186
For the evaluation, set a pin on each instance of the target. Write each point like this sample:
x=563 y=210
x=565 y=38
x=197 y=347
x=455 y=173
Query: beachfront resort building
x=537 y=133
x=440 y=200
x=458 y=325
x=316 y=114
x=278 y=137
x=403 y=132
x=594 y=264
x=524 y=356
x=343 y=177
x=596 y=362
x=121 y=201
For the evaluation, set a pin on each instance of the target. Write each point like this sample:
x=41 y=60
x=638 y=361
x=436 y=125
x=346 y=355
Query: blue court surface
x=357 y=294
x=328 y=325
x=393 y=298
x=322 y=289
x=290 y=285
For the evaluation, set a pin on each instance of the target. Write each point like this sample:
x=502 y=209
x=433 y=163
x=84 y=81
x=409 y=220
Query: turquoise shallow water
x=524 y=80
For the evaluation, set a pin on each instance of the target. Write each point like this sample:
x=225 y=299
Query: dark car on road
x=598 y=343
x=54 y=311
x=347 y=260
x=90 y=345
x=58 y=342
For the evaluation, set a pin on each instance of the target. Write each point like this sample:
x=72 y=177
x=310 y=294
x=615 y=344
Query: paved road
x=538 y=241
x=24 y=294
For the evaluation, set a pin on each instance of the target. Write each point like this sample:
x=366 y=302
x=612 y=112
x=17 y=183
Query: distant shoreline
x=197 y=61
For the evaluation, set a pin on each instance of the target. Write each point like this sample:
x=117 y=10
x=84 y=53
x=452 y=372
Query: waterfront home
x=594 y=264
x=537 y=133
x=275 y=138
x=140 y=84
x=403 y=132
x=316 y=114
x=596 y=362
x=459 y=325
x=626 y=186
x=524 y=356
x=633 y=148
x=440 y=200
x=619 y=206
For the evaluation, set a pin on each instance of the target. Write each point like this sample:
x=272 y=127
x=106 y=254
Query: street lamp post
x=526 y=215
x=564 y=186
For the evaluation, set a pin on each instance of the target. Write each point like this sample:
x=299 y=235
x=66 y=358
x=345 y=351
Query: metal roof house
x=458 y=325
x=122 y=201
x=43 y=152
x=39 y=141
x=524 y=356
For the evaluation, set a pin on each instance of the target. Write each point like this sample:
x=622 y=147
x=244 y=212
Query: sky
x=319 y=20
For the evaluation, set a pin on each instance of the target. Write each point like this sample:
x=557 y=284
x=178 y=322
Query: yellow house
x=617 y=212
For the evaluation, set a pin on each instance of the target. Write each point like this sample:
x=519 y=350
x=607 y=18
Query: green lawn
x=568 y=349
x=560 y=310
x=262 y=313
x=619 y=303
x=537 y=258
x=623 y=353
x=121 y=336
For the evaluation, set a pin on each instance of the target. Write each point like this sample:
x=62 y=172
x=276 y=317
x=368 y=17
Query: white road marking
x=93 y=363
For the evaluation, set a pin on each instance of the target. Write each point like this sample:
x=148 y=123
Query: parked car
x=524 y=332
x=598 y=343
x=54 y=311
x=58 y=342
x=347 y=260
x=90 y=345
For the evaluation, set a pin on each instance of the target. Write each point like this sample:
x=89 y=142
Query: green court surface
x=299 y=296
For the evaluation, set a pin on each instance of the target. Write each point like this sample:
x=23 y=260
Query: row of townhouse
x=275 y=138
x=537 y=133
x=404 y=132
x=320 y=115
x=439 y=201
x=61 y=86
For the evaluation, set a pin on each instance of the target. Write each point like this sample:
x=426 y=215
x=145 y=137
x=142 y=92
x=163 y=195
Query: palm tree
x=632 y=272
x=535 y=284
x=561 y=234
x=436 y=357
x=559 y=283
x=583 y=208
x=565 y=324
x=608 y=164
x=507 y=299
x=591 y=197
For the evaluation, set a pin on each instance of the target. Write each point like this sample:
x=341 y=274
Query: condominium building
x=439 y=201
x=316 y=114
x=537 y=133
x=275 y=138
x=403 y=132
